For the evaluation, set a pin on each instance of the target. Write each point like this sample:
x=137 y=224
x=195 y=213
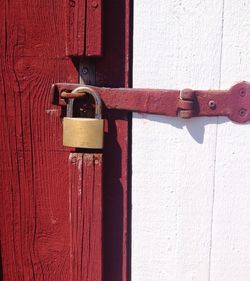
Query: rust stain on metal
x=233 y=103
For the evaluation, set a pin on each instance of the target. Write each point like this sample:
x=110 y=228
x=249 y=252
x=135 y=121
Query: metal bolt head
x=212 y=104
x=94 y=4
x=85 y=71
x=242 y=112
x=74 y=159
x=242 y=92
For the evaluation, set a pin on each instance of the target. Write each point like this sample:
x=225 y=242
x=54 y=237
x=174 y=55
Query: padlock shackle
x=94 y=94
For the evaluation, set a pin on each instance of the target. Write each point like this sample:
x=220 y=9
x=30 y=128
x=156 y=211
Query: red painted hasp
x=233 y=103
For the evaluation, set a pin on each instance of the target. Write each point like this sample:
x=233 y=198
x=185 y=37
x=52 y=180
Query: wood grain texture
x=86 y=216
x=34 y=166
x=36 y=232
x=177 y=44
x=94 y=28
x=84 y=26
x=75 y=19
x=113 y=70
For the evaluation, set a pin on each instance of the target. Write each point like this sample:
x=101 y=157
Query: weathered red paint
x=85 y=215
x=75 y=16
x=234 y=103
x=36 y=233
x=83 y=27
x=35 y=229
x=94 y=28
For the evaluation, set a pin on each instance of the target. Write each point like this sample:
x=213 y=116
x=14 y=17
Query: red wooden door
x=64 y=214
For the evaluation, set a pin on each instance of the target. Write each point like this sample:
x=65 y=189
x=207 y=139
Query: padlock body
x=83 y=132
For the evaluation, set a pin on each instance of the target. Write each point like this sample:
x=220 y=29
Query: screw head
x=85 y=70
x=94 y=4
x=212 y=104
x=73 y=159
x=242 y=112
x=242 y=92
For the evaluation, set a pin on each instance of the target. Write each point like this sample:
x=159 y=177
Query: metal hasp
x=233 y=103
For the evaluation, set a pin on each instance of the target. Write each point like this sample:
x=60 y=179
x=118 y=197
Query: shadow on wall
x=195 y=126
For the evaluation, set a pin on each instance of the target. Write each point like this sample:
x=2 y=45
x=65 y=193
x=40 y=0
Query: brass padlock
x=84 y=132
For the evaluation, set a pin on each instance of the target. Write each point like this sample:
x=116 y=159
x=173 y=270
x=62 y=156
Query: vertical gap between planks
x=215 y=148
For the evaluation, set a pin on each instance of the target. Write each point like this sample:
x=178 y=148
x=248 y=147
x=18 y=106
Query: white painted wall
x=190 y=184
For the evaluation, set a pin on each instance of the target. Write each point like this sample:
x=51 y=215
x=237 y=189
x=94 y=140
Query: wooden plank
x=177 y=44
x=94 y=28
x=35 y=229
x=75 y=18
x=113 y=70
x=83 y=27
x=86 y=216
x=231 y=221
x=34 y=166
